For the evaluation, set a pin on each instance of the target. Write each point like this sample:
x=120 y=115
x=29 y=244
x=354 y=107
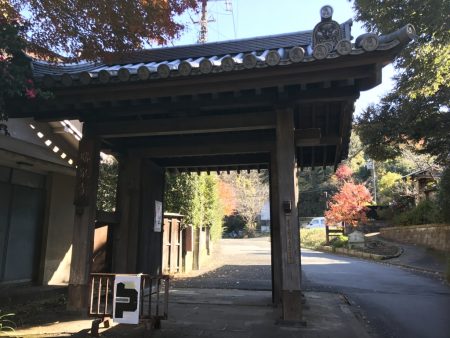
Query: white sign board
x=158 y=216
x=126 y=302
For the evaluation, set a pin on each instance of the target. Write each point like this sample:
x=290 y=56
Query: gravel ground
x=236 y=264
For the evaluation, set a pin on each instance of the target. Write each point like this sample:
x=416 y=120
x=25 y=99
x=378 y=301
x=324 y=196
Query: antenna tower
x=203 y=34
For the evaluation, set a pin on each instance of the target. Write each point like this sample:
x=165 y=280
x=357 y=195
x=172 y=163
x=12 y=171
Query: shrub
x=339 y=242
x=386 y=214
x=426 y=212
x=312 y=238
x=234 y=223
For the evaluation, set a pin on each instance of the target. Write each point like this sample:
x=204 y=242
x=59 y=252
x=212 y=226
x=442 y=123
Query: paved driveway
x=393 y=301
x=396 y=302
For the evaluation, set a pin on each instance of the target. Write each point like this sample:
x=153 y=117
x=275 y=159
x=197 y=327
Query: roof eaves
x=217 y=57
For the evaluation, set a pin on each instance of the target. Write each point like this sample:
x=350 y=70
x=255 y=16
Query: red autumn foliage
x=89 y=30
x=344 y=172
x=30 y=93
x=349 y=205
x=228 y=198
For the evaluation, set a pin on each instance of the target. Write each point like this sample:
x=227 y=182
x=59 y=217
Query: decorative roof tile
x=330 y=41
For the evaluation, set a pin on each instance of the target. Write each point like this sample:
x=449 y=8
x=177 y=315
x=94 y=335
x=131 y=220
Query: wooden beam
x=186 y=125
x=288 y=216
x=68 y=106
x=275 y=241
x=309 y=133
x=57 y=139
x=213 y=161
x=84 y=223
x=207 y=145
x=312 y=137
x=106 y=218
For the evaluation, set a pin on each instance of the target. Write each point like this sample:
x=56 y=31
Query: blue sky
x=251 y=18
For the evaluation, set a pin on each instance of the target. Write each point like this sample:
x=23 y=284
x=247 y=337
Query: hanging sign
x=158 y=216
x=126 y=302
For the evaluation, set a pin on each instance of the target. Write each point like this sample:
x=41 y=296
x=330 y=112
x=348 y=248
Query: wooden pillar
x=126 y=233
x=150 y=231
x=275 y=232
x=84 y=226
x=288 y=216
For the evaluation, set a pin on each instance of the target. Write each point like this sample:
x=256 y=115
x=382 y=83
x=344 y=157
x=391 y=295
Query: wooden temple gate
x=279 y=102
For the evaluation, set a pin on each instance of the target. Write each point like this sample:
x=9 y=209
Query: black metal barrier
x=154 y=300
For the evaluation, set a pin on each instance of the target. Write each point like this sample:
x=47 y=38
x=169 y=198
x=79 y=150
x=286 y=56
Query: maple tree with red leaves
x=349 y=204
x=73 y=31
x=89 y=30
x=228 y=198
x=343 y=172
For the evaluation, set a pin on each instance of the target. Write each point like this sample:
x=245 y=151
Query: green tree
x=196 y=197
x=14 y=65
x=179 y=194
x=315 y=188
x=213 y=207
x=387 y=187
x=251 y=191
x=416 y=112
x=107 y=184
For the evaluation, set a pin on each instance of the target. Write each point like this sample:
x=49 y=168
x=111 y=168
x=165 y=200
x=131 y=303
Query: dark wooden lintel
x=200 y=148
x=187 y=125
x=253 y=160
x=93 y=110
x=312 y=137
x=106 y=218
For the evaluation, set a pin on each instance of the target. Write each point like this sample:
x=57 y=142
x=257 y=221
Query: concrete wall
x=436 y=236
x=57 y=239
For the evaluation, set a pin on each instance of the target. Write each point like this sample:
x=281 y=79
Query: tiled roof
x=233 y=55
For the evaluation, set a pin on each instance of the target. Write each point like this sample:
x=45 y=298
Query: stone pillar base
x=78 y=298
x=291 y=306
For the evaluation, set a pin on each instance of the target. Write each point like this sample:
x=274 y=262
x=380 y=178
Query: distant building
x=265 y=217
x=424 y=182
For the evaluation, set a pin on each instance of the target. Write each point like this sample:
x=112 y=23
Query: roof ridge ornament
x=327 y=32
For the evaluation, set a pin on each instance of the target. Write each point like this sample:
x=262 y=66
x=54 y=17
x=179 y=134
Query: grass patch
x=312 y=238
x=6 y=324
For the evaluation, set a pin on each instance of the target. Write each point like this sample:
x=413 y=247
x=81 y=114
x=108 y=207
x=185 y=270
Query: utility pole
x=371 y=166
x=203 y=36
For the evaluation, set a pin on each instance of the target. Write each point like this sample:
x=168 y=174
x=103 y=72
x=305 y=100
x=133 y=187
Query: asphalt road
x=394 y=302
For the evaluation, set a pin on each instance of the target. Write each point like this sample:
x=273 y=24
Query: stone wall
x=436 y=236
x=57 y=250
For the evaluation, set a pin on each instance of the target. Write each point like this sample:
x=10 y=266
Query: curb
x=379 y=258
x=360 y=254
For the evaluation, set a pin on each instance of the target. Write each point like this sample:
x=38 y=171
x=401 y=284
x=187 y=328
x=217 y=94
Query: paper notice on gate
x=126 y=303
x=158 y=216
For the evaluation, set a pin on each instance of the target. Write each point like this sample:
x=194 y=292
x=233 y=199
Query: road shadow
x=244 y=277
